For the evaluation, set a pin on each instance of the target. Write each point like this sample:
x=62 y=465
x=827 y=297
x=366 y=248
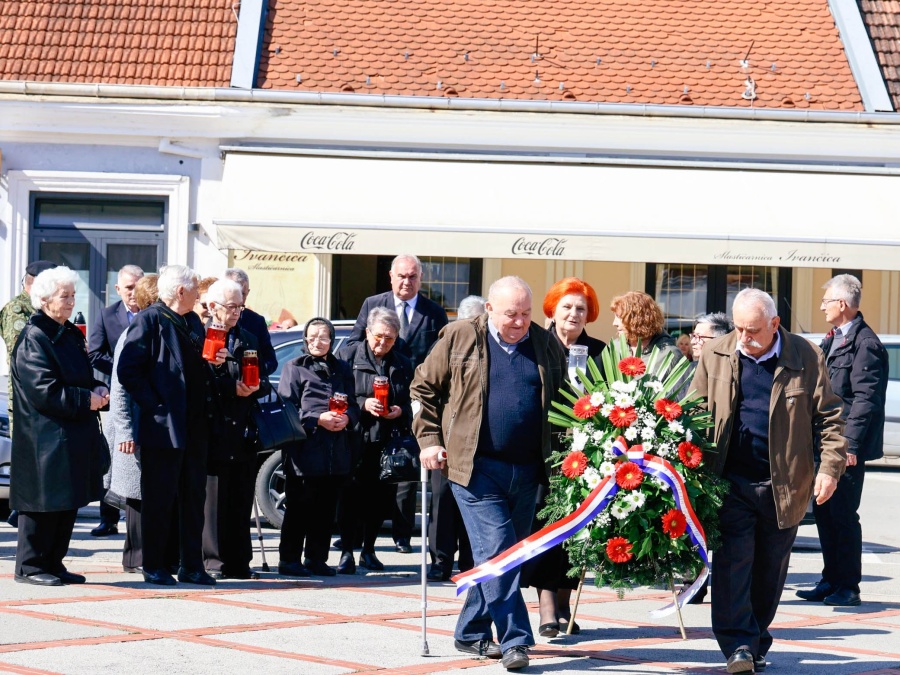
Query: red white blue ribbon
x=597 y=501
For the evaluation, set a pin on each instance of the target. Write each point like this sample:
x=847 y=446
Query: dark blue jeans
x=497 y=507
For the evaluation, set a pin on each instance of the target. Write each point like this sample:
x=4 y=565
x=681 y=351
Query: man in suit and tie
x=110 y=325
x=421 y=319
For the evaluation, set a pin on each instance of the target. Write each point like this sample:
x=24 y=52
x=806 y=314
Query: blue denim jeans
x=497 y=507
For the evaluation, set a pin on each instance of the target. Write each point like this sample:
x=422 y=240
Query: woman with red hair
x=640 y=319
x=569 y=304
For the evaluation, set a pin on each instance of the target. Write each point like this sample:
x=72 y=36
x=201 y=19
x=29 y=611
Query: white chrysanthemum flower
x=636 y=498
x=647 y=445
x=605 y=409
x=662 y=450
x=607 y=444
x=597 y=436
x=619 y=386
x=648 y=433
x=623 y=400
x=607 y=468
x=579 y=440
x=619 y=511
x=592 y=477
x=662 y=484
x=676 y=427
x=597 y=399
x=630 y=434
x=655 y=385
x=688 y=435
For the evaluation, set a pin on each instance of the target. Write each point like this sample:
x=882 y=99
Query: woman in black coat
x=58 y=456
x=365 y=500
x=315 y=469
x=231 y=463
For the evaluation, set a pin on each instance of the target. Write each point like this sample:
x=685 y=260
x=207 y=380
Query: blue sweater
x=748 y=451
x=511 y=422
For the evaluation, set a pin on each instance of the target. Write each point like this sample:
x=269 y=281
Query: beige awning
x=351 y=205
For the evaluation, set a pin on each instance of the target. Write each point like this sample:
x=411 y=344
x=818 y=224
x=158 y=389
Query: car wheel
x=270 y=490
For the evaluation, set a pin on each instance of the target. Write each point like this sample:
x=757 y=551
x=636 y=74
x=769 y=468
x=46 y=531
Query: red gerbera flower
x=629 y=475
x=584 y=409
x=618 y=549
x=690 y=454
x=622 y=417
x=674 y=523
x=633 y=366
x=575 y=464
x=668 y=409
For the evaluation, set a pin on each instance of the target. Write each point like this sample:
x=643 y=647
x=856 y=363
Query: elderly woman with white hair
x=161 y=367
x=58 y=452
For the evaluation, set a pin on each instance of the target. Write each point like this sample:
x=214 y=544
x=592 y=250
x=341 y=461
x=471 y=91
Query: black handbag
x=277 y=422
x=400 y=459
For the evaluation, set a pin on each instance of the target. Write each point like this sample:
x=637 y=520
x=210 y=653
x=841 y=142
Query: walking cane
x=259 y=537
x=424 y=573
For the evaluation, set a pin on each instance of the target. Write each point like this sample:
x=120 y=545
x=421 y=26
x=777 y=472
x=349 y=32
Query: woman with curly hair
x=640 y=320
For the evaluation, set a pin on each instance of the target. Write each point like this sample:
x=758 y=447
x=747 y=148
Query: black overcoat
x=56 y=447
x=309 y=382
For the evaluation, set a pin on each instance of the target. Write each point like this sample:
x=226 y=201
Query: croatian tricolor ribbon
x=598 y=500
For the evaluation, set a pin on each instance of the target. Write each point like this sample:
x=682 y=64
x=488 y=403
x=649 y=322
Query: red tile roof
x=882 y=19
x=158 y=42
x=630 y=51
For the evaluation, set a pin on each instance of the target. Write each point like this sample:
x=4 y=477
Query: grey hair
x=718 y=323
x=383 y=315
x=508 y=282
x=132 y=271
x=237 y=274
x=754 y=296
x=173 y=276
x=48 y=282
x=470 y=307
x=216 y=292
x=845 y=287
x=407 y=256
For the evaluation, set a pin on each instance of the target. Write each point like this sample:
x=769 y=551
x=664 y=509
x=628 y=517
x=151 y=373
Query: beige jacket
x=450 y=386
x=804 y=414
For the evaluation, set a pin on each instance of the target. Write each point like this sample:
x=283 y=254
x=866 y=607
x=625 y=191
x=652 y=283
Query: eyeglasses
x=825 y=301
x=384 y=338
x=696 y=337
x=314 y=340
x=234 y=309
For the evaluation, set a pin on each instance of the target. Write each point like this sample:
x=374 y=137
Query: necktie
x=836 y=341
x=404 y=319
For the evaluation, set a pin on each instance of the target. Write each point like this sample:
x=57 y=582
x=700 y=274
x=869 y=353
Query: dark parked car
x=270 y=479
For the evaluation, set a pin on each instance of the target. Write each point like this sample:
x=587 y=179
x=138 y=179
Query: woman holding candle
x=231 y=463
x=365 y=500
x=320 y=385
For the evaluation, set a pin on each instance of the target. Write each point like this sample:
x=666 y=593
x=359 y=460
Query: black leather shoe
x=821 y=591
x=132 y=570
x=198 y=577
x=843 y=597
x=338 y=544
x=216 y=574
x=292 y=569
x=160 y=578
x=347 y=565
x=436 y=573
x=370 y=562
x=486 y=648
x=243 y=573
x=759 y=664
x=43 y=579
x=319 y=568
x=105 y=530
x=403 y=546
x=515 y=657
x=69 y=578
x=740 y=662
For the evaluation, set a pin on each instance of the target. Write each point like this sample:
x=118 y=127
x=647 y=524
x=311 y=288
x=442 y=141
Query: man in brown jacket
x=774 y=410
x=480 y=404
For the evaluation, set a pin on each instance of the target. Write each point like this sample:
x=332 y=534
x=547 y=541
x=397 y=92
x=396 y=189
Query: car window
x=893 y=362
x=285 y=353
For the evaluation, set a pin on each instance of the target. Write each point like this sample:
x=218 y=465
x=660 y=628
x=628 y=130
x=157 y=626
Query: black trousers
x=840 y=532
x=173 y=481
x=749 y=570
x=133 y=550
x=308 y=517
x=446 y=530
x=43 y=541
x=109 y=515
x=364 y=503
x=403 y=517
x=230 y=488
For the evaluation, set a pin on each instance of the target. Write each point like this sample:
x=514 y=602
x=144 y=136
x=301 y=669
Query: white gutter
x=860 y=55
x=226 y=95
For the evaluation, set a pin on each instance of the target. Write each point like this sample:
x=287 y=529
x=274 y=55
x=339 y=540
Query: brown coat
x=450 y=386
x=803 y=412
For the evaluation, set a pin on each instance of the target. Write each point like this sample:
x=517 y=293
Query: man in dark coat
x=161 y=367
x=104 y=335
x=421 y=319
x=858 y=367
x=254 y=323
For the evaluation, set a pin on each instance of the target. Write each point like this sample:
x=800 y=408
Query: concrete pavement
x=370 y=622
